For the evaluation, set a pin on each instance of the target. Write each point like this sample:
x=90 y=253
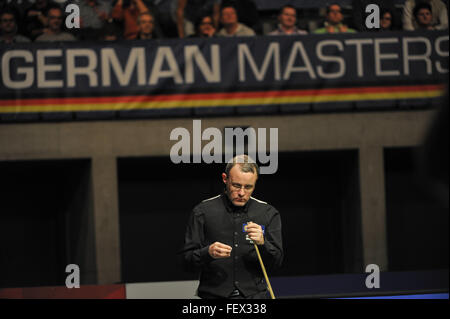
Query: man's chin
x=239 y=203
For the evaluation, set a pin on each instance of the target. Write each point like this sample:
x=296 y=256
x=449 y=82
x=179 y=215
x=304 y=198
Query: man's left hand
x=255 y=233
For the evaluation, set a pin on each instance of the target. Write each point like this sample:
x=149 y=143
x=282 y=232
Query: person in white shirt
x=439 y=18
x=231 y=25
x=54 y=32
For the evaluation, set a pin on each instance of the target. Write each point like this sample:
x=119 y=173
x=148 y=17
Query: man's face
x=55 y=19
x=288 y=18
x=229 y=16
x=146 y=24
x=424 y=17
x=239 y=185
x=335 y=15
x=7 y=23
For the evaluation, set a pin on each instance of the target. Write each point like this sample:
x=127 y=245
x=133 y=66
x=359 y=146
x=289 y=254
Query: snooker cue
x=264 y=272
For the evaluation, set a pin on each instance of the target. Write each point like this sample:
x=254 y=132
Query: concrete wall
x=104 y=142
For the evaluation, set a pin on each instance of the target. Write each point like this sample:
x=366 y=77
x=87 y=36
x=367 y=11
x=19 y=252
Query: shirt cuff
x=204 y=254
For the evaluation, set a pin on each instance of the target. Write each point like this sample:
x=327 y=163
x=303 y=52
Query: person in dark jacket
x=221 y=233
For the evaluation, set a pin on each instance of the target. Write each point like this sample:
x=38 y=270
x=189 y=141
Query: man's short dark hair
x=145 y=13
x=228 y=5
x=199 y=20
x=287 y=6
x=420 y=6
x=53 y=7
x=333 y=4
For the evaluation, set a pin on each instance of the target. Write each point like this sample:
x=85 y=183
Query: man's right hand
x=219 y=250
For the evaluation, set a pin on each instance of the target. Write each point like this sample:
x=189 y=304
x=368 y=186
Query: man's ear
x=224 y=178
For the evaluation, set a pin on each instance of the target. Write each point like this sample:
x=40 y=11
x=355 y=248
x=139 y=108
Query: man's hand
x=255 y=233
x=219 y=250
x=343 y=28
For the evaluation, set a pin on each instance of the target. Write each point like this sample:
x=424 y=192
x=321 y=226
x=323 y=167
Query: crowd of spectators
x=44 y=20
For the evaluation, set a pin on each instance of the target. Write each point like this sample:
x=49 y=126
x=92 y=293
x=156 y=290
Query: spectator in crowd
x=333 y=23
x=146 y=24
x=359 y=14
x=110 y=32
x=422 y=14
x=35 y=20
x=189 y=11
x=8 y=27
x=93 y=15
x=231 y=25
x=439 y=18
x=387 y=20
x=128 y=11
x=247 y=12
x=19 y=7
x=287 y=25
x=204 y=27
x=54 y=32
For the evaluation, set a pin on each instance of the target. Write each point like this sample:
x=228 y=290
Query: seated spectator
x=35 y=20
x=8 y=27
x=287 y=19
x=422 y=14
x=231 y=25
x=146 y=24
x=333 y=23
x=439 y=18
x=189 y=11
x=19 y=6
x=247 y=12
x=54 y=32
x=93 y=15
x=387 y=21
x=110 y=32
x=204 y=27
x=128 y=11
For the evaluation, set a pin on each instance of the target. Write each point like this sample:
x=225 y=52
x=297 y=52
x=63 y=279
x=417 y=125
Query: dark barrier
x=295 y=73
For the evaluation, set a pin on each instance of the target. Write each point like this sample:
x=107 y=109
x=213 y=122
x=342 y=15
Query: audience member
x=146 y=24
x=287 y=22
x=54 y=32
x=333 y=23
x=19 y=6
x=387 y=21
x=422 y=14
x=128 y=11
x=35 y=20
x=110 y=31
x=247 y=12
x=189 y=11
x=204 y=27
x=8 y=27
x=93 y=15
x=231 y=25
x=439 y=18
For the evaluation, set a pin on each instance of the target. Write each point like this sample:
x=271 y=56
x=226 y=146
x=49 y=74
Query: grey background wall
x=106 y=196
